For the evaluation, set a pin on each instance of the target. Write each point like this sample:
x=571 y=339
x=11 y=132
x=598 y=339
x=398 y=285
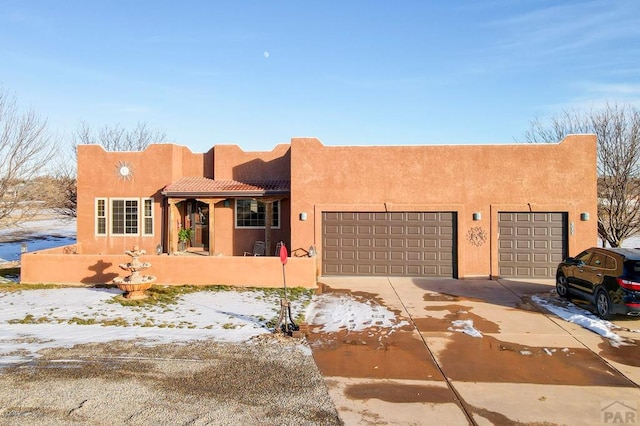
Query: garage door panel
x=365 y=255
x=347 y=255
x=445 y=230
x=413 y=270
x=347 y=229
x=397 y=255
x=390 y=243
x=414 y=256
x=411 y=243
x=364 y=243
x=397 y=243
x=348 y=242
x=332 y=254
x=379 y=242
x=541 y=244
x=531 y=244
x=381 y=255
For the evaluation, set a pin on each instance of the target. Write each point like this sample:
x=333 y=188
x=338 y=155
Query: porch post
x=212 y=222
x=268 y=207
x=173 y=215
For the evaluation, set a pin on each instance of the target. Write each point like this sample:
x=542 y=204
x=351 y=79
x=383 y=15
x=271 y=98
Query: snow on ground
x=466 y=327
x=31 y=320
x=342 y=312
x=574 y=314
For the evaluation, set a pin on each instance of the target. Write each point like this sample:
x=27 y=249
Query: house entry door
x=198 y=214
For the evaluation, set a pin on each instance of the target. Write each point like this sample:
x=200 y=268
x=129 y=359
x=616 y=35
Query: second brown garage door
x=389 y=243
x=530 y=245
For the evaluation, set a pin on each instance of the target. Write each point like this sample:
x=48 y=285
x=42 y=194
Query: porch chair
x=258 y=249
x=278 y=246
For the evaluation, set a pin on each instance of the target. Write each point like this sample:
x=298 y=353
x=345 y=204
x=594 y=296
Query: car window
x=633 y=268
x=610 y=263
x=583 y=257
x=597 y=260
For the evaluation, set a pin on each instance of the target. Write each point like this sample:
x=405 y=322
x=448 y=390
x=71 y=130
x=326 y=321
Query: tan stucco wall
x=152 y=169
x=54 y=266
x=231 y=162
x=464 y=179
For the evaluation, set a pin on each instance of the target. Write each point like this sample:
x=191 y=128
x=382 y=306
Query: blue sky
x=256 y=73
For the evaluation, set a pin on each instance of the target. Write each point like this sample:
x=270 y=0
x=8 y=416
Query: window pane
x=275 y=222
x=101 y=217
x=252 y=214
x=148 y=217
x=117 y=216
x=102 y=226
x=131 y=220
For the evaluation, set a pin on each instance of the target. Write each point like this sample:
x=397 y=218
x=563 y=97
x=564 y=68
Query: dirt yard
x=270 y=380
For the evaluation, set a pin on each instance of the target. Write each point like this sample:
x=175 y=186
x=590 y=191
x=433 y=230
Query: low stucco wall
x=60 y=266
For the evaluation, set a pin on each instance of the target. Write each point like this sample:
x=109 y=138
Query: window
x=583 y=257
x=101 y=216
x=147 y=219
x=252 y=213
x=597 y=260
x=124 y=216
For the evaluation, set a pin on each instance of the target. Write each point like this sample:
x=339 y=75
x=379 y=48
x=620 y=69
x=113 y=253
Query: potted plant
x=184 y=238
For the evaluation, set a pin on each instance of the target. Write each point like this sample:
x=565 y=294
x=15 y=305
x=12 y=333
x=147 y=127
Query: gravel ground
x=269 y=380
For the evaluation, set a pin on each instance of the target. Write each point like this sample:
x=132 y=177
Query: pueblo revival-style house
x=428 y=211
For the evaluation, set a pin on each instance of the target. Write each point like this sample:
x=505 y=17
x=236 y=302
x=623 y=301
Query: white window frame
x=235 y=218
x=107 y=217
x=104 y=217
x=144 y=217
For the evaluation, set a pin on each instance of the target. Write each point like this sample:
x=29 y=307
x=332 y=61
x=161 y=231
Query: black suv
x=609 y=278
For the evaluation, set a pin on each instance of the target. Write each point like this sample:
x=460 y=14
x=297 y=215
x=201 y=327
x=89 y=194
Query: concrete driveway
x=528 y=367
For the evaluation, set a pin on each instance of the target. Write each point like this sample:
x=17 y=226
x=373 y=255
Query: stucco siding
x=470 y=178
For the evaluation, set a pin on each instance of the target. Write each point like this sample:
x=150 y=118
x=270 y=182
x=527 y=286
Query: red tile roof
x=210 y=187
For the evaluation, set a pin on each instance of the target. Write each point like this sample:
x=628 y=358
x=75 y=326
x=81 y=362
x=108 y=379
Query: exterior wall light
x=312 y=251
x=584 y=216
x=477 y=216
x=303 y=216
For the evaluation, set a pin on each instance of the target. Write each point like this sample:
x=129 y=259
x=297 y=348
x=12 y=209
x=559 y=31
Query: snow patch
x=343 y=312
x=466 y=327
x=576 y=315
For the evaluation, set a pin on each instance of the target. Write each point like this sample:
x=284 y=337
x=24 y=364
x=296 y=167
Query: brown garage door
x=389 y=243
x=530 y=245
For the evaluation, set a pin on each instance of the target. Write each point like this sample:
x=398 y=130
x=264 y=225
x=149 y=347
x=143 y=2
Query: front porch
x=224 y=217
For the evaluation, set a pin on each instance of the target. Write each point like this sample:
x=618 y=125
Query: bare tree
x=117 y=138
x=112 y=138
x=617 y=128
x=26 y=149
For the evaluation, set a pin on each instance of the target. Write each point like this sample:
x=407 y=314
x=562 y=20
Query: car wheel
x=562 y=286
x=603 y=305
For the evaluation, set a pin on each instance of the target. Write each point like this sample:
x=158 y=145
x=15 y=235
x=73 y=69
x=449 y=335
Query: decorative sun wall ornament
x=124 y=170
x=477 y=236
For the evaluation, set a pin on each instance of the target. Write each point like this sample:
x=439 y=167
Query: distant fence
x=62 y=265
